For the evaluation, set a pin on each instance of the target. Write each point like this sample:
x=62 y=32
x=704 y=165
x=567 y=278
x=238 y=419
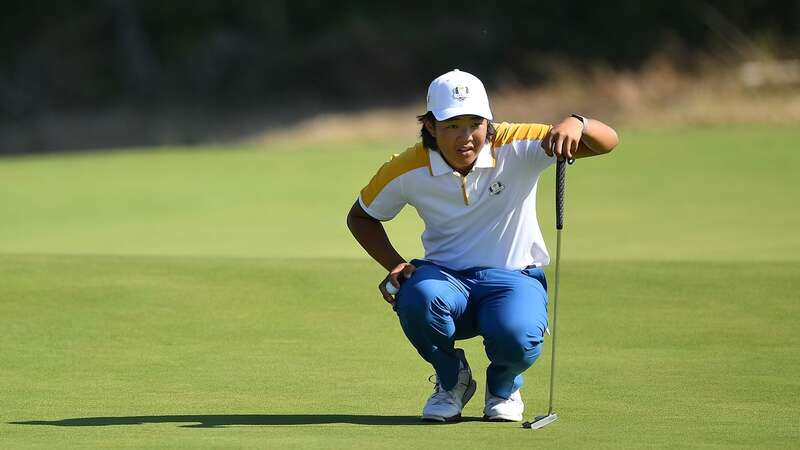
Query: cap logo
x=461 y=93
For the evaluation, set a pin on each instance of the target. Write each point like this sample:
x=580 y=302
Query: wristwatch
x=584 y=121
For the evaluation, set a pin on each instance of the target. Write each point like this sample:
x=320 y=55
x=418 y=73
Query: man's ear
x=430 y=126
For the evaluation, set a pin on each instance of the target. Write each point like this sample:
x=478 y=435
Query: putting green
x=209 y=352
x=213 y=298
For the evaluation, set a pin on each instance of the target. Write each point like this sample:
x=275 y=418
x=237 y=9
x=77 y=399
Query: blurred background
x=111 y=74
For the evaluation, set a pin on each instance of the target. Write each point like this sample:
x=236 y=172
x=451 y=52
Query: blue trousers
x=508 y=308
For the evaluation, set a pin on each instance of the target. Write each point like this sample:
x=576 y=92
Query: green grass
x=214 y=298
x=711 y=194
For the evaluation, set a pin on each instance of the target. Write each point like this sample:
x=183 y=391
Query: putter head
x=540 y=421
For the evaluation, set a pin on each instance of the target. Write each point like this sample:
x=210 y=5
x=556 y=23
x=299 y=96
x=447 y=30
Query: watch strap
x=584 y=120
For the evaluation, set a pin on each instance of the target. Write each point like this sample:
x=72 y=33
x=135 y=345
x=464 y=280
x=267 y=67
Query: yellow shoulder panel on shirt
x=509 y=132
x=413 y=158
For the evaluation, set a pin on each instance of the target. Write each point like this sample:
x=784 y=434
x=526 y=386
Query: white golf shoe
x=446 y=406
x=503 y=409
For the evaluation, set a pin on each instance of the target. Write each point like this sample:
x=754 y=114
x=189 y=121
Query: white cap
x=458 y=93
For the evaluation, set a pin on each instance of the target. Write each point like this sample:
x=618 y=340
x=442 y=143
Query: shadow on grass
x=222 y=420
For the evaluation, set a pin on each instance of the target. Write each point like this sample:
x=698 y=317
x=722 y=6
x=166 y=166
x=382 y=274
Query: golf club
x=561 y=174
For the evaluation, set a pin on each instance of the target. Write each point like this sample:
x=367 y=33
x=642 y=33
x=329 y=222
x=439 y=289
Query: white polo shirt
x=484 y=219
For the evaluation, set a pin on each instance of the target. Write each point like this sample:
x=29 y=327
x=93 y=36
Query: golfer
x=473 y=183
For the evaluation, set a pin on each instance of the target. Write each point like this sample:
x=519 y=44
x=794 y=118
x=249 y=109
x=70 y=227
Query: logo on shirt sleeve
x=496 y=188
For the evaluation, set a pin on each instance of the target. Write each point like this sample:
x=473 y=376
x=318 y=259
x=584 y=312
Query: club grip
x=561 y=178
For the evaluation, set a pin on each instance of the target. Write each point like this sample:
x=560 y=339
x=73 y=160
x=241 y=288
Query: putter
x=561 y=174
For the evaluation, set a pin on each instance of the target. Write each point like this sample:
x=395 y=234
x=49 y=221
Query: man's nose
x=465 y=135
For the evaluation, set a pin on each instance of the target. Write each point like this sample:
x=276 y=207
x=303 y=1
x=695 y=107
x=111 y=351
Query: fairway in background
x=711 y=194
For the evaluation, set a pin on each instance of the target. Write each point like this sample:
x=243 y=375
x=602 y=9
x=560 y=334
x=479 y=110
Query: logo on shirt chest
x=496 y=188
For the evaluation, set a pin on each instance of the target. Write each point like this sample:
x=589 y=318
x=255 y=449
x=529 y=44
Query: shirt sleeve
x=535 y=154
x=383 y=197
x=526 y=139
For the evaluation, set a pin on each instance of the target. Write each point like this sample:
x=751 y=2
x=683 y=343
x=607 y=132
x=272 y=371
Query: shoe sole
x=440 y=419
x=473 y=386
x=501 y=419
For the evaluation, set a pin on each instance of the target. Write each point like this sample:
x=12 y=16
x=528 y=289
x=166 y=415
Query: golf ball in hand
x=390 y=288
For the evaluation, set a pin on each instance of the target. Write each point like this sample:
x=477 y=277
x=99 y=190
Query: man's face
x=460 y=139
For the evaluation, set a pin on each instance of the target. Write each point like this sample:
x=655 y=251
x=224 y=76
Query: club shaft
x=555 y=324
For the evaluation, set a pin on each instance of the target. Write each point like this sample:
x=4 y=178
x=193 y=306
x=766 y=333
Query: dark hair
x=430 y=142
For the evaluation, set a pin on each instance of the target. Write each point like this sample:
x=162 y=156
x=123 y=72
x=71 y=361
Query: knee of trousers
x=516 y=349
x=418 y=306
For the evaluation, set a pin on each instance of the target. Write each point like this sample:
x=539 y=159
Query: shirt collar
x=440 y=167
